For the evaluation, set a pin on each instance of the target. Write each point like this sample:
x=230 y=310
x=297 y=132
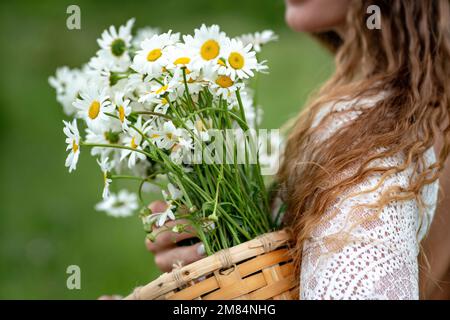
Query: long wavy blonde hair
x=408 y=59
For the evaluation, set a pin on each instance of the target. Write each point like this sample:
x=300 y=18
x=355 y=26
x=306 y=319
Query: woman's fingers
x=166 y=259
x=157 y=206
x=166 y=238
x=167 y=254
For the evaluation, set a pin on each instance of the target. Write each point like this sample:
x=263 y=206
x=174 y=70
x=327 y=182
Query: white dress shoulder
x=358 y=253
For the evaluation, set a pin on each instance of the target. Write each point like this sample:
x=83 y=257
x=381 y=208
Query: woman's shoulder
x=334 y=115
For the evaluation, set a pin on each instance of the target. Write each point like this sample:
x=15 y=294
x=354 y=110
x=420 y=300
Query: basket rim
x=170 y=281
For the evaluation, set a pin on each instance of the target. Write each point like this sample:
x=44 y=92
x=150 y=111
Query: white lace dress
x=377 y=259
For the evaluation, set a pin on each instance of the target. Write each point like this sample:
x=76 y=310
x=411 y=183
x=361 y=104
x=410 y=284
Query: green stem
x=124 y=177
x=114 y=146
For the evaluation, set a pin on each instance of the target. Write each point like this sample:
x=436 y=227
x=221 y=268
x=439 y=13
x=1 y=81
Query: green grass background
x=47 y=220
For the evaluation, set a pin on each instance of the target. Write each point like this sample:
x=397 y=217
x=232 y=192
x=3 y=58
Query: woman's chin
x=300 y=22
x=315 y=15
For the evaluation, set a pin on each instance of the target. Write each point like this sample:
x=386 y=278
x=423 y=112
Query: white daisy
x=105 y=70
x=238 y=61
x=73 y=144
x=121 y=205
x=123 y=110
x=162 y=105
x=258 y=39
x=133 y=139
x=153 y=57
x=162 y=217
x=182 y=60
x=207 y=44
x=160 y=90
x=223 y=85
x=116 y=42
x=93 y=106
x=67 y=83
x=167 y=136
x=182 y=56
x=62 y=78
x=105 y=166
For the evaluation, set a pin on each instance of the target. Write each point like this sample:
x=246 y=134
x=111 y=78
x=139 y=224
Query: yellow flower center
x=164 y=101
x=162 y=89
x=154 y=136
x=169 y=135
x=154 y=55
x=236 y=60
x=133 y=143
x=210 y=49
x=224 y=81
x=94 y=109
x=182 y=60
x=121 y=114
x=74 y=146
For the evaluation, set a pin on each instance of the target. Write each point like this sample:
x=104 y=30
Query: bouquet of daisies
x=174 y=112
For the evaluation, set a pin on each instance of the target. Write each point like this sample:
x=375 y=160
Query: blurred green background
x=47 y=220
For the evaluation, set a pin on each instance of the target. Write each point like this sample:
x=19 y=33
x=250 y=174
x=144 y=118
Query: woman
x=360 y=174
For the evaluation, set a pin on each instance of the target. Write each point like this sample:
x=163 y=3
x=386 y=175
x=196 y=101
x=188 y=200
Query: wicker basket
x=260 y=269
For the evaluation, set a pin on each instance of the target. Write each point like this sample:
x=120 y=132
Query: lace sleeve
x=359 y=253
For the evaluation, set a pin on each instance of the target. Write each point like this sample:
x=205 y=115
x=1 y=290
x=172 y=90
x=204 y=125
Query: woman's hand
x=167 y=252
